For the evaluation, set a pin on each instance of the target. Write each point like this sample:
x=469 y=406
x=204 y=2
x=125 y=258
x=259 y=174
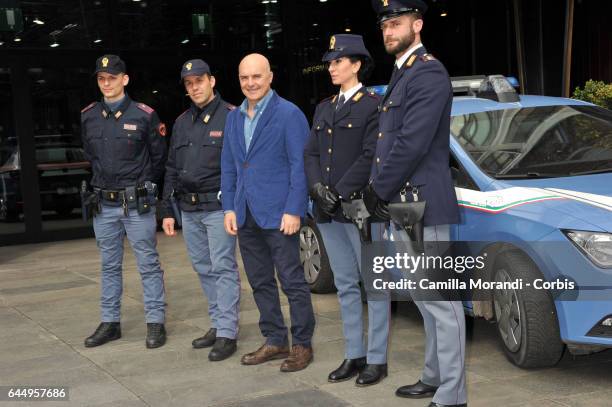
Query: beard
x=402 y=45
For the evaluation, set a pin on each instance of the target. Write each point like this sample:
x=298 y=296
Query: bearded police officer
x=123 y=140
x=413 y=154
x=193 y=175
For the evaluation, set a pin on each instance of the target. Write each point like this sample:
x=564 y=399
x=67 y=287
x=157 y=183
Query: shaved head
x=255 y=77
x=255 y=61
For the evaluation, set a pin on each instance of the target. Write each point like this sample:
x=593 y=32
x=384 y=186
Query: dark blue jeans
x=262 y=250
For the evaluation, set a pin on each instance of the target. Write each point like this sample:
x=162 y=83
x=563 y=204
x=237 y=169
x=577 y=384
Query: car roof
x=468 y=104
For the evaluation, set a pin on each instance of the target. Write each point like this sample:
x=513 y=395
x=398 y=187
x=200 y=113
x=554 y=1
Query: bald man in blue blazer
x=264 y=195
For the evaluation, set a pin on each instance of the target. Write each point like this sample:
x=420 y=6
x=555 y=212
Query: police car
x=533 y=177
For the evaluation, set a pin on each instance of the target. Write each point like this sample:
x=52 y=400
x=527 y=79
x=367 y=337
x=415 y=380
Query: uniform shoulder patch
x=427 y=58
x=358 y=96
x=86 y=108
x=145 y=108
x=372 y=95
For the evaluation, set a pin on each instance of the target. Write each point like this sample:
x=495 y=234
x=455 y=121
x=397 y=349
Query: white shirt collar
x=349 y=93
x=399 y=62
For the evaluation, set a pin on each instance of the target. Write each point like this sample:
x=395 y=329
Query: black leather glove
x=327 y=199
x=378 y=209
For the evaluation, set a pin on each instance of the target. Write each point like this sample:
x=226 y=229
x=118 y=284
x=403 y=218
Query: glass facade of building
x=48 y=53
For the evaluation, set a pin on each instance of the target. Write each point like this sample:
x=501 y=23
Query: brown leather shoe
x=264 y=354
x=298 y=359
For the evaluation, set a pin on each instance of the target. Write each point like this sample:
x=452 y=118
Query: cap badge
x=104 y=62
x=188 y=66
x=332 y=42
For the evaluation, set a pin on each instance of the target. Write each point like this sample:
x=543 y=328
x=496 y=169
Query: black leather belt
x=194 y=198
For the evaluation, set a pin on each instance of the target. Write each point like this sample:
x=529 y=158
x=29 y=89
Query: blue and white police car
x=533 y=177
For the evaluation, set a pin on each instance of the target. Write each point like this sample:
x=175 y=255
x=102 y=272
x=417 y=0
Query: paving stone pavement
x=49 y=304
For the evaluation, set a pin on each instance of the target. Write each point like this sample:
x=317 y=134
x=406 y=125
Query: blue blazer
x=270 y=176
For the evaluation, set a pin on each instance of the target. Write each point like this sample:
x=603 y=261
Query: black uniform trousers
x=262 y=250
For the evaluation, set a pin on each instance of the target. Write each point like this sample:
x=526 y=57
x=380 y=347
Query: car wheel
x=527 y=321
x=314 y=259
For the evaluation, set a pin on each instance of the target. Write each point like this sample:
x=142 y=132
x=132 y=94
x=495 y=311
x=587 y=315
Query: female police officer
x=338 y=159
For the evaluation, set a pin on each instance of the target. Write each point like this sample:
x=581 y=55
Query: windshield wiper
x=599 y=171
x=527 y=175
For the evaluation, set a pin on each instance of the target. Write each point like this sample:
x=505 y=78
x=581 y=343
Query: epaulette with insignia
x=427 y=58
x=145 y=108
x=357 y=96
x=89 y=107
x=411 y=60
x=372 y=95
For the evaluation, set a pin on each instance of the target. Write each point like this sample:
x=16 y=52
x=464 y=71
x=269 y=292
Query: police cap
x=386 y=9
x=342 y=45
x=111 y=64
x=195 y=67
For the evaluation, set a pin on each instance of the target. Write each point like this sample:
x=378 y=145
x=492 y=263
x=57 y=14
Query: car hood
x=587 y=197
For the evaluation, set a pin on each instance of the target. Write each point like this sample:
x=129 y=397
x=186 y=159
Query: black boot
x=222 y=349
x=207 y=340
x=156 y=335
x=416 y=391
x=371 y=374
x=105 y=332
x=347 y=370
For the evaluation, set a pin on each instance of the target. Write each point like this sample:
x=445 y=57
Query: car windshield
x=548 y=141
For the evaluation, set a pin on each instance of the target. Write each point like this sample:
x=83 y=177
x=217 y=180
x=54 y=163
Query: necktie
x=340 y=102
x=394 y=74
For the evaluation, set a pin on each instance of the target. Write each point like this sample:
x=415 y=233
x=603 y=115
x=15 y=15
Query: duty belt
x=194 y=198
x=130 y=197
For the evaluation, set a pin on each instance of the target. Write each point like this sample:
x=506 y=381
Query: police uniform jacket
x=341 y=146
x=194 y=158
x=125 y=147
x=413 y=139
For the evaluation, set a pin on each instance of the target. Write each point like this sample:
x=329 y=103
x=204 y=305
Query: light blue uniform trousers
x=343 y=248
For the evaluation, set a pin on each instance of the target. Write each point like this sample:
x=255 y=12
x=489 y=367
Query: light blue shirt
x=251 y=124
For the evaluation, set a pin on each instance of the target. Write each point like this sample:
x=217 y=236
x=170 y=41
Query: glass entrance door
x=11 y=201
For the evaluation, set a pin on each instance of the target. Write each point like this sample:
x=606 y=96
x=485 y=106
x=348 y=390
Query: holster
x=143 y=203
x=90 y=202
x=409 y=216
x=356 y=211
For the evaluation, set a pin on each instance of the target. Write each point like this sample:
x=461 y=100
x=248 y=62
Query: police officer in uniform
x=193 y=176
x=412 y=154
x=123 y=140
x=338 y=159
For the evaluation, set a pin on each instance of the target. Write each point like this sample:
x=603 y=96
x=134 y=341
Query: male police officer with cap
x=193 y=174
x=413 y=153
x=124 y=141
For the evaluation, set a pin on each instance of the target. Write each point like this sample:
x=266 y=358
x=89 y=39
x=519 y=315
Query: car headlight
x=596 y=245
